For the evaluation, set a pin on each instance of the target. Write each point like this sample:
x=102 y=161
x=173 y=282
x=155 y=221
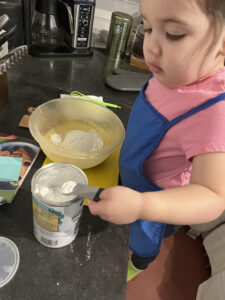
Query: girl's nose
x=152 y=45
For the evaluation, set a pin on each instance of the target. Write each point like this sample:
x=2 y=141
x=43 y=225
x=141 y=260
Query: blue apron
x=146 y=128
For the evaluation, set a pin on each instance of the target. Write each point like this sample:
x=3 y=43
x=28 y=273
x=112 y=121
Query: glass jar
x=137 y=47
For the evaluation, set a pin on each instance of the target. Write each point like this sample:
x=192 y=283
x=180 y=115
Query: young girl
x=172 y=162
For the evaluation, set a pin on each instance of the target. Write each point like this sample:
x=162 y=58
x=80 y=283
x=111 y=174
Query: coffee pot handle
x=70 y=16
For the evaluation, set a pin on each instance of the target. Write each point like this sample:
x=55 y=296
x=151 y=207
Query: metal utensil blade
x=86 y=191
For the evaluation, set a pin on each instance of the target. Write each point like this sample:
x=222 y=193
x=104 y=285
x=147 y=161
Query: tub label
x=44 y=218
x=56 y=226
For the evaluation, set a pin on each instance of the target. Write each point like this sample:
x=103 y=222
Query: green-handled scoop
x=81 y=190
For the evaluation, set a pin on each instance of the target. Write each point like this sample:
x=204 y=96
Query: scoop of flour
x=68 y=187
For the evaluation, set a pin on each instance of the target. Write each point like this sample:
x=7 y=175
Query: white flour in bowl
x=79 y=140
x=56 y=138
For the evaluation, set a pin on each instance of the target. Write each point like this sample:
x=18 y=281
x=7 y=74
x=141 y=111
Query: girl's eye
x=147 y=30
x=174 y=37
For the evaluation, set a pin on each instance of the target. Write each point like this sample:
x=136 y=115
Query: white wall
x=128 y=6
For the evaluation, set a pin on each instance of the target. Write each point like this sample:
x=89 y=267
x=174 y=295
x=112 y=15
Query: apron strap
x=198 y=108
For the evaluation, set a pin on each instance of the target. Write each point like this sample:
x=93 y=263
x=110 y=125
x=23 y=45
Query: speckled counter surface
x=94 y=265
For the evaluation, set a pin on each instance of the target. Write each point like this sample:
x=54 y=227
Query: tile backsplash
x=103 y=12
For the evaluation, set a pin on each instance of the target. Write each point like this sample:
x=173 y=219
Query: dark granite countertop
x=94 y=265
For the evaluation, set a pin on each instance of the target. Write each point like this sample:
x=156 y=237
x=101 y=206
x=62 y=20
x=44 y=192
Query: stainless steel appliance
x=79 y=23
x=69 y=34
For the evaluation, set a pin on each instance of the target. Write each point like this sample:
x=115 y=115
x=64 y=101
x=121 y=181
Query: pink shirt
x=170 y=164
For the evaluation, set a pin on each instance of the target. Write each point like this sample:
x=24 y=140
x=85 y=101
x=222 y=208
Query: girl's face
x=178 y=46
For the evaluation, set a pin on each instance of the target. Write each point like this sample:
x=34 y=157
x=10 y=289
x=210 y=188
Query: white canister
x=56 y=216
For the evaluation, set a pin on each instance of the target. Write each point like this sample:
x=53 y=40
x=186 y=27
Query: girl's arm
x=201 y=201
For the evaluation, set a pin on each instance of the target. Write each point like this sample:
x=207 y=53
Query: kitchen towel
x=213 y=288
x=214 y=245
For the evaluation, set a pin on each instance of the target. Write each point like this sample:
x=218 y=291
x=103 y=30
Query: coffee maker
x=62 y=28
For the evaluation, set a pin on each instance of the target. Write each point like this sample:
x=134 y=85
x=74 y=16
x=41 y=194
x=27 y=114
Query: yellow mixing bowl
x=62 y=115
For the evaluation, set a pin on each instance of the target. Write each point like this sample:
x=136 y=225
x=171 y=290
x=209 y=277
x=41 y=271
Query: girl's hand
x=119 y=205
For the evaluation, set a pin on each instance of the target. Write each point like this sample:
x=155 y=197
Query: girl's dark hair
x=13 y=146
x=215 y=10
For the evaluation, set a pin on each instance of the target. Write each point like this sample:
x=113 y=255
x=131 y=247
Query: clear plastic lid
x=9 y=260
